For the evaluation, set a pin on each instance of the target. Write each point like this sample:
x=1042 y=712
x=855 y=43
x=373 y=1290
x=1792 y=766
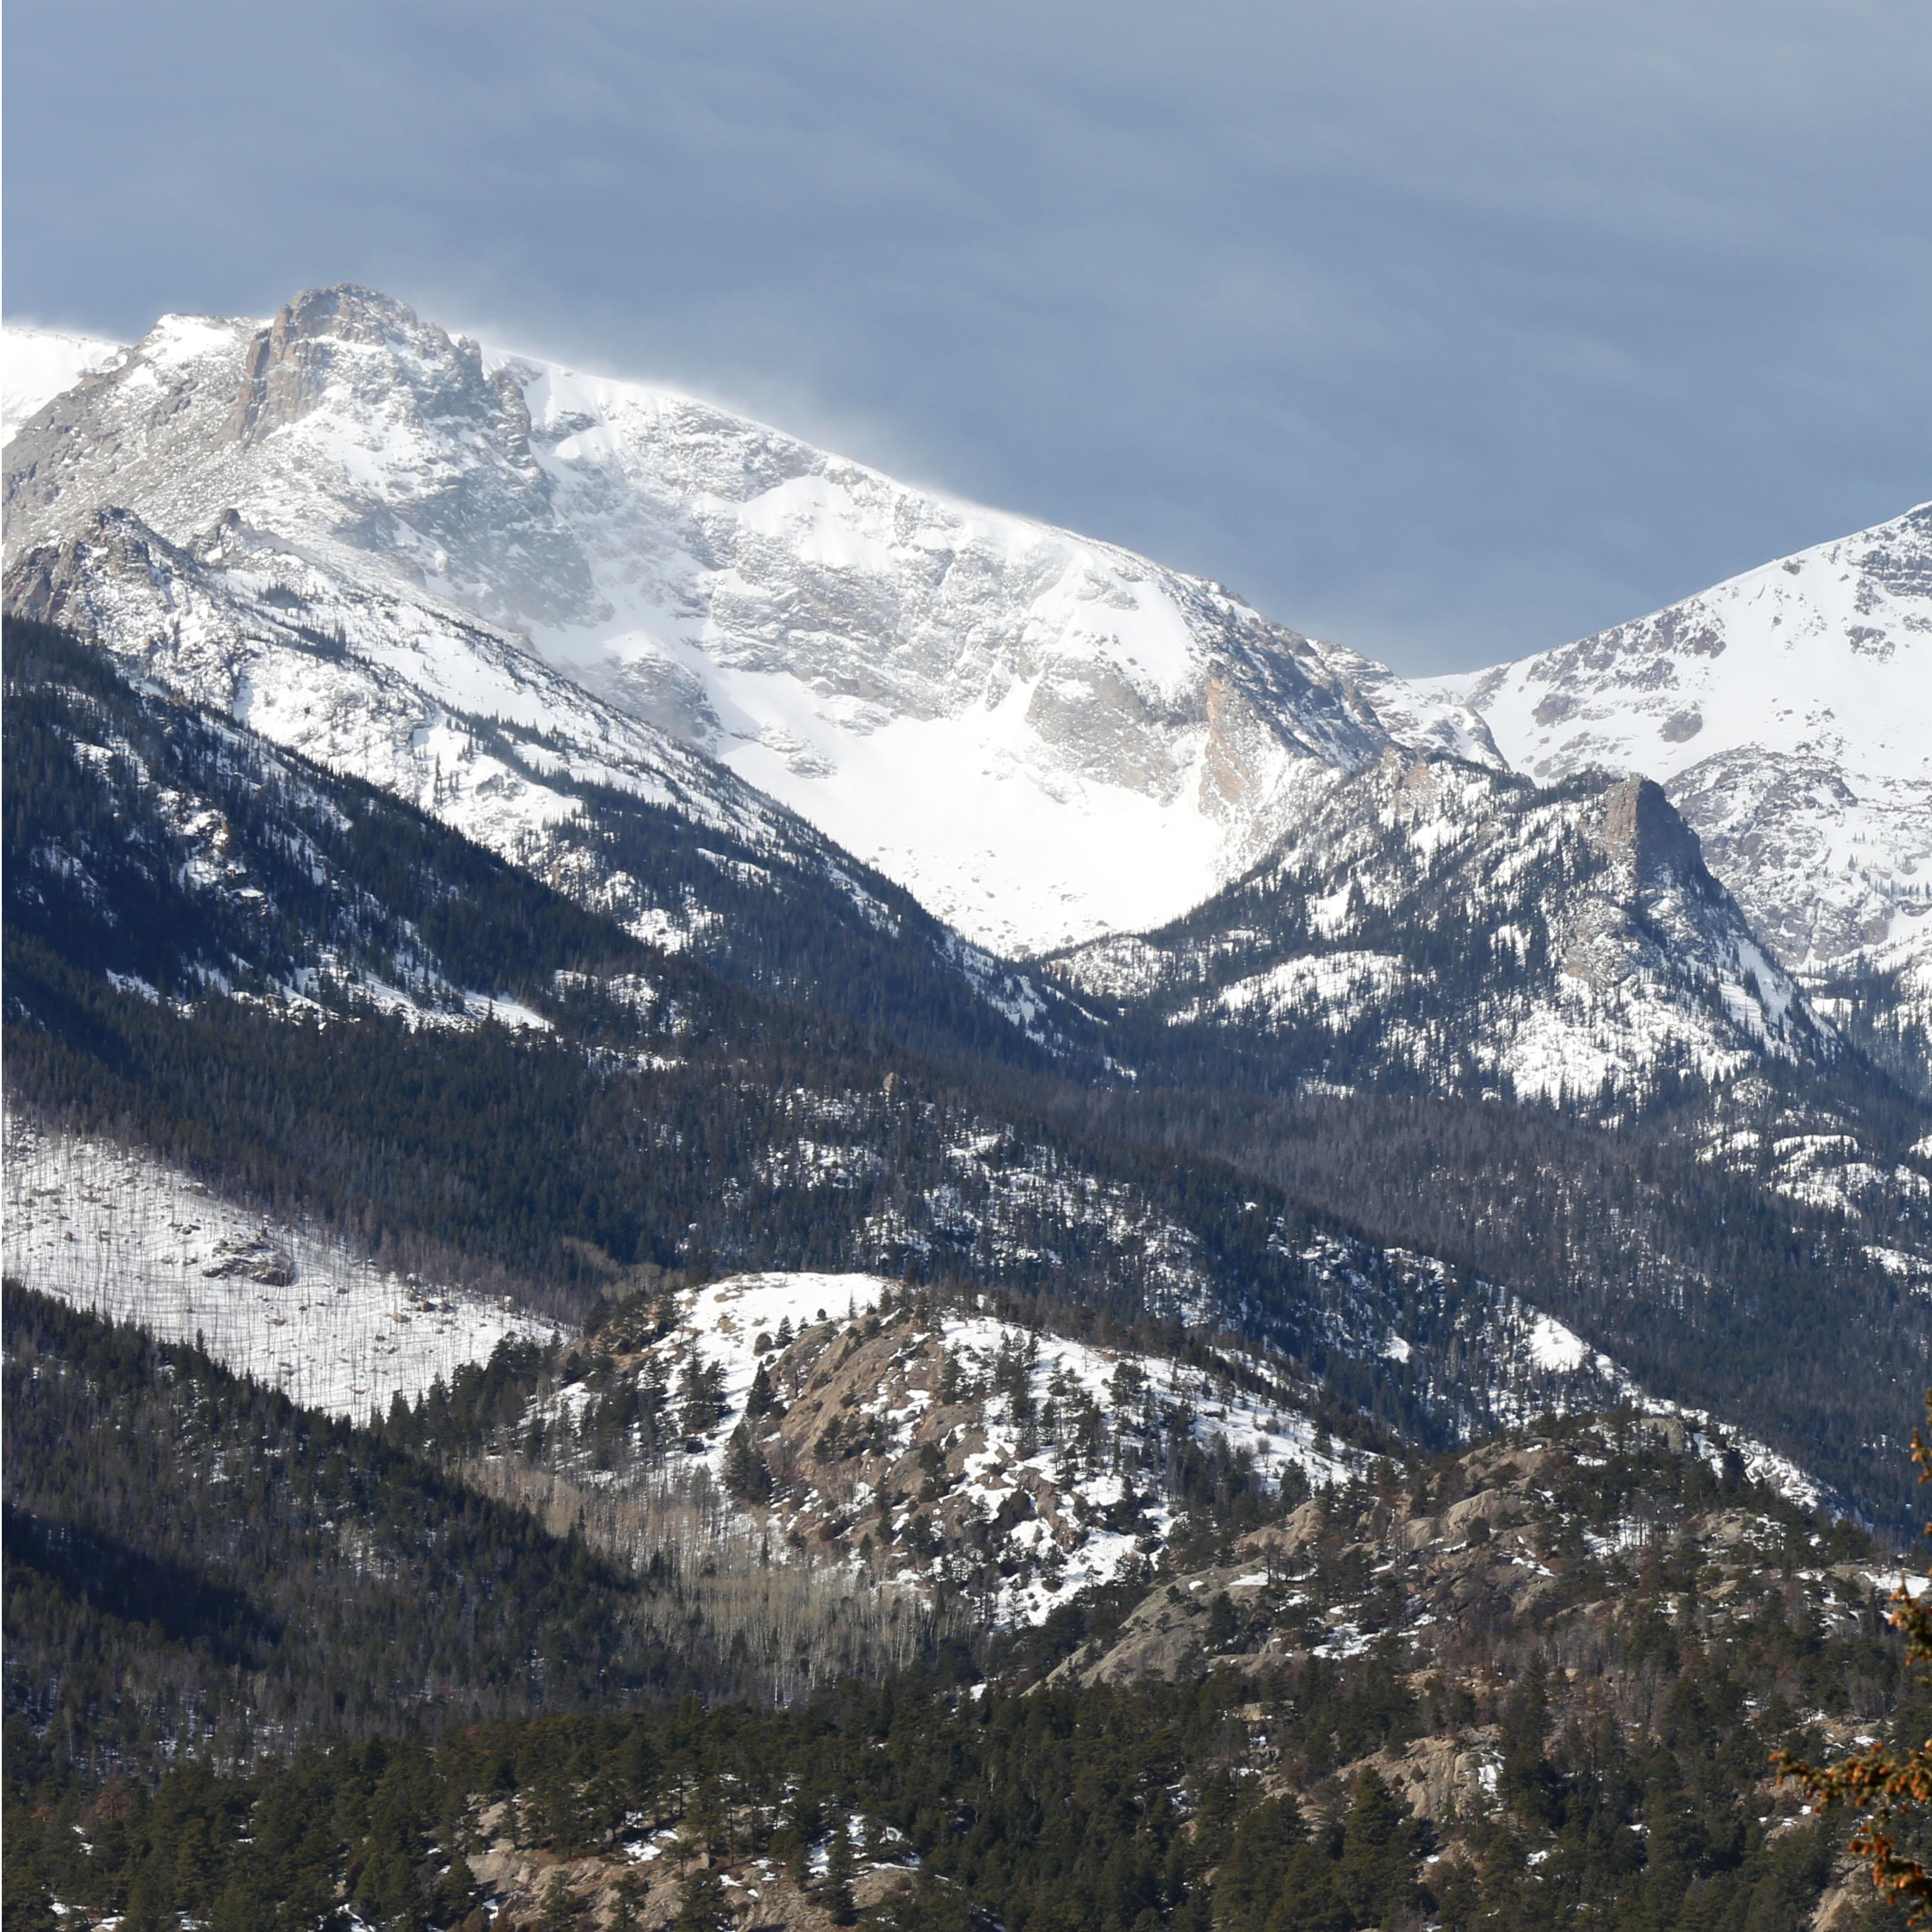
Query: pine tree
x=759 y=1401
x=835 y=1895
x=698 y=1397
x=559 y=1909
x=456 y=1890
x=702 y=1905
x=629 y=1897
x=1375 y=1875
x=747 y=1478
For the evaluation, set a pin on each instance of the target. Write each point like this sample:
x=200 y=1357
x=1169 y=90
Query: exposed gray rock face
x=1788 y=713
x=1437 y=922
x=1045 y=738
x=346 y=423
x=1042 y=736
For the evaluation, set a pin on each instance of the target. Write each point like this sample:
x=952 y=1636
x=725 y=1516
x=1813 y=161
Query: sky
x=1451 y=329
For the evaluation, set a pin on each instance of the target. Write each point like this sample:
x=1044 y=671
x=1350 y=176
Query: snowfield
x=1041 y=736
x=131 y=1239
x=37 y=364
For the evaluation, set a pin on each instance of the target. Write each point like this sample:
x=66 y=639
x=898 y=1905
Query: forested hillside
x=1536 y=1685
x=254 y=869
x=195 y=1565
x=1223 y=1497
x=334 y=1009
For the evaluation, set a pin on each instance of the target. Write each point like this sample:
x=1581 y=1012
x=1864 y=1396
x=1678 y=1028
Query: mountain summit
x=1046 y=740
x=1043 y=736
x=1788 y=712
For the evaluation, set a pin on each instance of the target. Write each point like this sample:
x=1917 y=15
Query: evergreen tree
x=626 y=1904
x=1250 y=1877
x=1374 y=1876
x=835 y=1892
x=700 y=1395
x=758 y=1401
x=747 y=1476
x=702 y=1905
x=559 y=1908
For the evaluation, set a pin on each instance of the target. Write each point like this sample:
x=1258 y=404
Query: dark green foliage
x=702 y=1905
x=331 y=1582
x=1109 y=1809
x=835 y=1894
x=747 y=1476
x=557 y=1167
x=701 y=1395
x=559 y=1911
x=760 y=1398
x=1250 y=1879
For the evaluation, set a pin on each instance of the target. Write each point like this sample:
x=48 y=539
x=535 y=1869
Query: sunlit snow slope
x=1041 y=736
x=36 y=364
x=133 y=1240
x=1788 y=714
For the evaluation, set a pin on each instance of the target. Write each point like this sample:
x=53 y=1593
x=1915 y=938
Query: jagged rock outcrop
x=1433 y=921
x=1787 y=713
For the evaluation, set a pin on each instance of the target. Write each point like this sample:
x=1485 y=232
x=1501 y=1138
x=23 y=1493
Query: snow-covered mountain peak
x=1043 y=736
x=1788 y=712
x=344 y=423
x=1040 y=733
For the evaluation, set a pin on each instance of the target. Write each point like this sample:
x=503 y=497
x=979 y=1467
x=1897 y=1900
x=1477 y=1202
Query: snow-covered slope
x=1437 y=921
x=485 y=582
x=398 y=688
x=938 y=1442
x=948 y=1442
x=1788 y=714
x=904 y=1430
x=129 y=1237
x=461 y=720
x=1042 y=736
x=36 y=364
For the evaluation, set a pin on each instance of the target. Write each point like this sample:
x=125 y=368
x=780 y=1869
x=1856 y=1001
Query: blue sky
x=1451 y=328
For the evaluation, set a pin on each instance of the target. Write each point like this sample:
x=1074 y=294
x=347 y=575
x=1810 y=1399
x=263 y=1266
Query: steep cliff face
x=1788 y=715
x=1041 y=736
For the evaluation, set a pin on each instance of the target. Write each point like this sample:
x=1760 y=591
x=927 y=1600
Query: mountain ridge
x=1434 y=920
x=1787 y=712
x=844 y=642
x=781 y=607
